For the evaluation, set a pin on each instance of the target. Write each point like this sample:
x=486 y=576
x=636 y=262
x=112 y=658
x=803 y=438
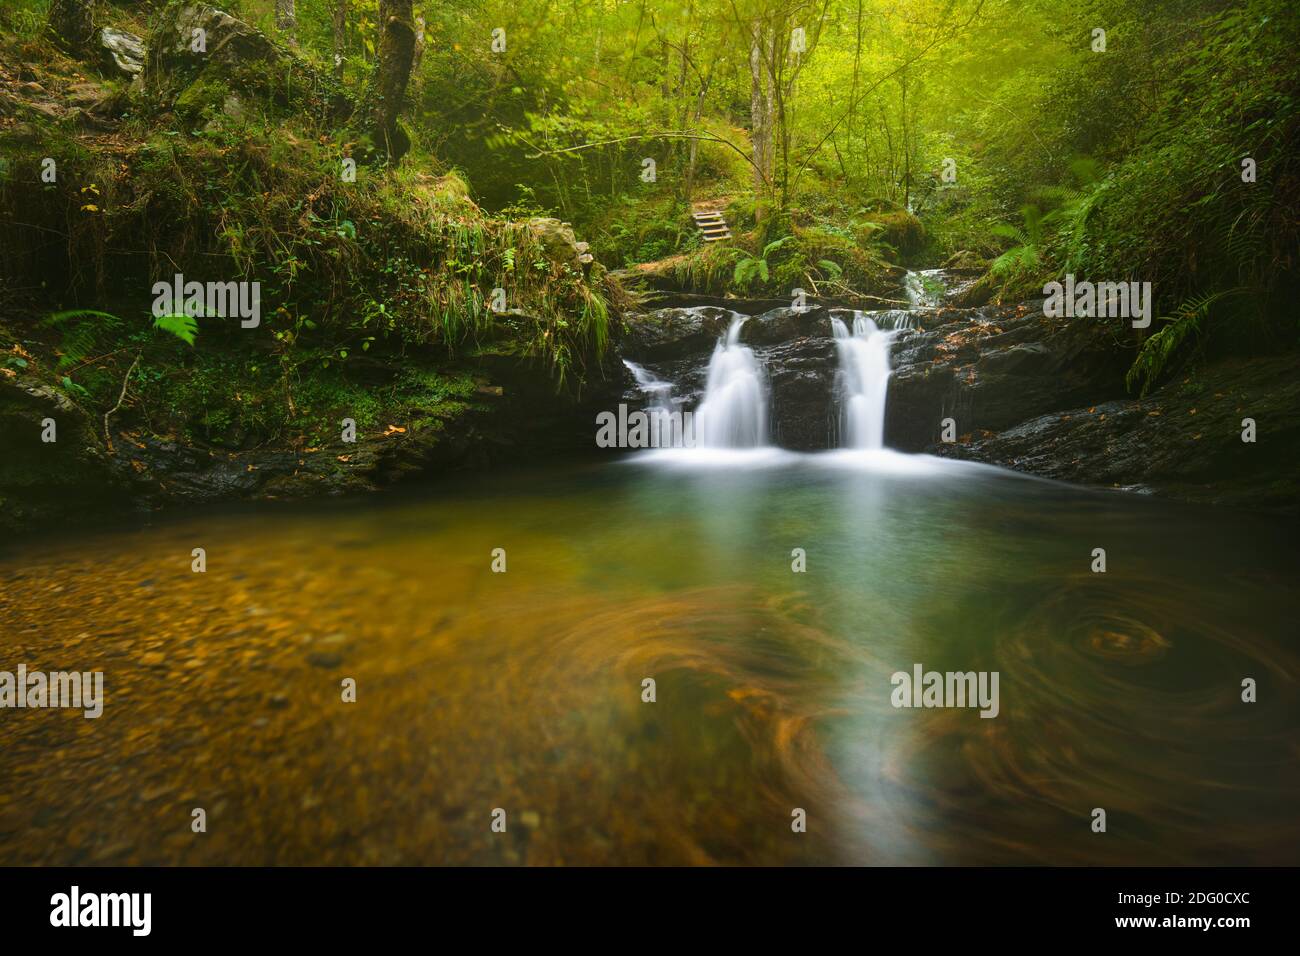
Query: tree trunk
x=340 y=37
x=758 y=118
x=419 y=47
x=72 y=23
x=907 y=152
x=393 y=73
x=286 y=20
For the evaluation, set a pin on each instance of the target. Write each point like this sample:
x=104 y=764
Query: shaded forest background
x=842 y=139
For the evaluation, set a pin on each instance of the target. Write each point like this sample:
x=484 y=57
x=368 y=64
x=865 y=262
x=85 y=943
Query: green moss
x=207 y=92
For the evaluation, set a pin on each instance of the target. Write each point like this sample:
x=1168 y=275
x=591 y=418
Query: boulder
x=200 y=55
x=675 y=333
x=965 y=261
x=122 y=53
x=560 y=243
x=197 y=35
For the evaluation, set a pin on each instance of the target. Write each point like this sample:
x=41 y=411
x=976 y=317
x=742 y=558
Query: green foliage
x=1157 y=351
x=750 y=267
x=1112 y=166
x=81 y=332
x=184 y=327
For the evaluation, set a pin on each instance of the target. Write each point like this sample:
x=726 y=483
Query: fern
x=80 y=332
x=184 y=327
x=1188 y=319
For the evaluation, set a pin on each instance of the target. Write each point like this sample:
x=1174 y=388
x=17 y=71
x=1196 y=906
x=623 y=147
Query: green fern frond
x=832 y=269
x=80 y=332
x=1188 y=319
x=184 y=327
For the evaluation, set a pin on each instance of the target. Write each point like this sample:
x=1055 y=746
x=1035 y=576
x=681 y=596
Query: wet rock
x=990 y=369
x=803 y=413
x=1184 y=440
x=40 y=481
x=785 y=323
x=675 y=333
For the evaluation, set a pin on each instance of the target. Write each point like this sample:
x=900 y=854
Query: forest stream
x=523 y=690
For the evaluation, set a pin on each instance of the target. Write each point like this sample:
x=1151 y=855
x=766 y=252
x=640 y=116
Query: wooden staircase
x=709 y=220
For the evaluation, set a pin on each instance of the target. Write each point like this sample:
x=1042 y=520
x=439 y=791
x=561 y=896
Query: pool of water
x=523 y=690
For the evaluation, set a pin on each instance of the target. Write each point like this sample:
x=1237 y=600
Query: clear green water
x=523 y=690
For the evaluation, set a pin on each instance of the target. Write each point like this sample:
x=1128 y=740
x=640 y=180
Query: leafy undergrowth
x=375 y=284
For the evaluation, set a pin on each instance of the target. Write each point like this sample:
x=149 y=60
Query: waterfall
x=658 y=393
x=734 y=411
x=864 y=381
x=659 y=406
x=924 y=289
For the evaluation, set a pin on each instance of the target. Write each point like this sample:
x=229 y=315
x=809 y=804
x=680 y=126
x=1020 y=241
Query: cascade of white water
x=924 y=289
x=734 y=411
x=659 y=406
x=864 y=380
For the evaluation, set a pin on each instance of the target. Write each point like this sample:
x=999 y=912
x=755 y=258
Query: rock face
x=801 y=374
x=794 y=346
x=518 y=417
x=122 y=52
x=1184 y=440
x=989 y=369
x=43 y=482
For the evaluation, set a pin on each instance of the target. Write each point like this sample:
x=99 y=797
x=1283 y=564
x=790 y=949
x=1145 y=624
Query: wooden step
x=712 y=225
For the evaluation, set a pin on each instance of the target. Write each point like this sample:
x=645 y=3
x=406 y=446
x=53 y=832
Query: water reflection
x=524 y=690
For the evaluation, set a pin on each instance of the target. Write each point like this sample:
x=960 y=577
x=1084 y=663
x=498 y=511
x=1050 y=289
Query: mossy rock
x=206 y=92
x=900 y=229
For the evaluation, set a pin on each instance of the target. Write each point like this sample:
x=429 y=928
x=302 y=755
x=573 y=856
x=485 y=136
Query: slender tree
x=340 y=37
x=393 y=73
x=286 y=19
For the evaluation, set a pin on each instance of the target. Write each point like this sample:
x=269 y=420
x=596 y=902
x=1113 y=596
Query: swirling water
x=524 y=690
